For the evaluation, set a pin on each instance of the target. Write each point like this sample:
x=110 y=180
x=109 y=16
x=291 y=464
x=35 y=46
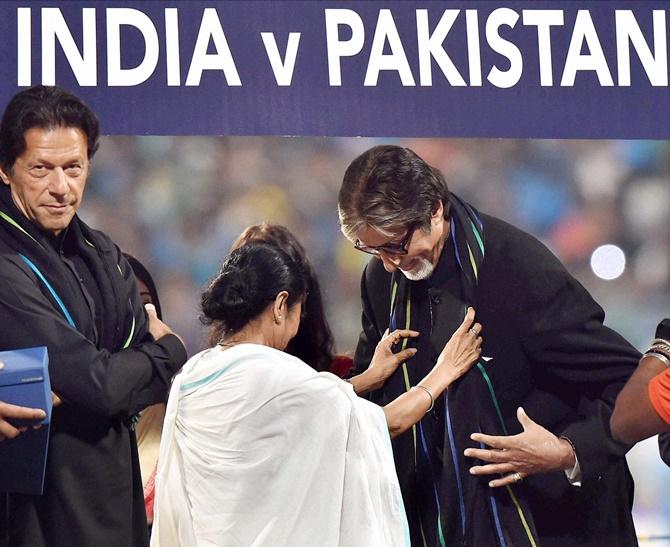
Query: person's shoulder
x=499 y=232
x=512 y=244
x=12 y=268
x=374 y=271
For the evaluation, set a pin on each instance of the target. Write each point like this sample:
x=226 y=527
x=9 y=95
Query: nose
x=58 y=182
x=390 y=262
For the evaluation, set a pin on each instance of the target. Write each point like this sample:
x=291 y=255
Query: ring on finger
x=473 y=331
x=518 y=477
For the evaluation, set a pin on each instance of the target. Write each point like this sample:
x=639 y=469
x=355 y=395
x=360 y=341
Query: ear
x=280 y=306
x=4 y=176
x=438 y=213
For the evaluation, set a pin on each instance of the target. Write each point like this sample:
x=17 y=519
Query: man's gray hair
x=388 y=189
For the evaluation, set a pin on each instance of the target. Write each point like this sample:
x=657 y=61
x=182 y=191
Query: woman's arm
x=457 y=357
x=634 y=418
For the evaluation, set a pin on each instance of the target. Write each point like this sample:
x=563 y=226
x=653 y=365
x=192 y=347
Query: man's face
x=423 y=248
x=47 y=181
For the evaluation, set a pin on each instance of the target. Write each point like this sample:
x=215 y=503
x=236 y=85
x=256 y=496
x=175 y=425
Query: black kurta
x=547 y=350
x=106 y=370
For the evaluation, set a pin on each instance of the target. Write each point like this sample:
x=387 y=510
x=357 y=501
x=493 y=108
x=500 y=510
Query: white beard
x=423 y=270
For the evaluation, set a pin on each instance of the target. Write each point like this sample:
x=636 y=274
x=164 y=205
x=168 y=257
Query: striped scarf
x=456 y=507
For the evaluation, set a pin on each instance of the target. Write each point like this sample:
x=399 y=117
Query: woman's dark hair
x=45 y=107
x=143 y=275
x=313 y=343
x=249 y=280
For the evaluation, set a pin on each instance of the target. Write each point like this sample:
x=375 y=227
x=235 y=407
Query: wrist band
x=660 y=349
x=432 y=401
x=660 y=356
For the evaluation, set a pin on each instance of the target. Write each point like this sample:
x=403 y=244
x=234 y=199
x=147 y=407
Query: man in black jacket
x=519 y=451
x=66 y=286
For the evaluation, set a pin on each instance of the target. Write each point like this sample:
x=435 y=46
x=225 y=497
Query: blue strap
x=51 y=290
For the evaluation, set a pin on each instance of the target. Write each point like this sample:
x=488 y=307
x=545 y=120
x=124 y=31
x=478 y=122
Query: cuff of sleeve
x=574 y=475
x=175 y=349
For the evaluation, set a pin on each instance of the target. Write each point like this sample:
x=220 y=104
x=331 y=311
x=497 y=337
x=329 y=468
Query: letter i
x=23 y=47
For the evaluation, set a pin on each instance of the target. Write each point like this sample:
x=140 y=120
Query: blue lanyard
x=51 y=290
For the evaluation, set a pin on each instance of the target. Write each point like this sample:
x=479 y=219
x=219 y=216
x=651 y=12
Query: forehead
x=55 y=142
x=371 y=236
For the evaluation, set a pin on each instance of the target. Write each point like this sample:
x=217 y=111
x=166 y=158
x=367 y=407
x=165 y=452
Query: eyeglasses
x=388 y=248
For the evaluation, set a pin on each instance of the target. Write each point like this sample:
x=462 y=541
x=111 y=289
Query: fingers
x=151 y=309
x=398 y=335
x=492 y=456
x=475 y=329
x=491 y=468
x=467 y=321
x=507 y=480
x=494 y=441
x=55 y=399
x=7 y=431
x=20 y=412
x=405 y=354
x=524 y=419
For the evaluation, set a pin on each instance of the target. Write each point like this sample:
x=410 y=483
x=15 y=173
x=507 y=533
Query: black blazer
x=552 y=355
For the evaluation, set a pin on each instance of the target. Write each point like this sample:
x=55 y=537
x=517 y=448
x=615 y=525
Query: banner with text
x=462 y=69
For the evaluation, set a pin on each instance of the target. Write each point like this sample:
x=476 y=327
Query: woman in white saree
x=259 y=449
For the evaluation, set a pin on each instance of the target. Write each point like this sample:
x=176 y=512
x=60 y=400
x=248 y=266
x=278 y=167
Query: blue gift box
x=24 y=381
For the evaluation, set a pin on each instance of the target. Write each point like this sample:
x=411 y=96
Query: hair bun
x=230 y=297
x=250 y=279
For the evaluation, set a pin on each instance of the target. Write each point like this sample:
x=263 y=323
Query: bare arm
x=634 y=418
x=457 y=357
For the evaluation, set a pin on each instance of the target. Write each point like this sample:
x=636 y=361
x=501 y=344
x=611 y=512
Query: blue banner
x=457 y=69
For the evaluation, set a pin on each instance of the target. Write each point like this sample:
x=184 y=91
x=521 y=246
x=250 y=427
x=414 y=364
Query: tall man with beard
x=66 y=286
x=519 y=451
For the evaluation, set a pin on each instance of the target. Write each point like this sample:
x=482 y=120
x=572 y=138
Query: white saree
x=258 y=449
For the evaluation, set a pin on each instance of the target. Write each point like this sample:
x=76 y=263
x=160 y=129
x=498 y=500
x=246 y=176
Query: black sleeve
x=663 y=329
x=562 y=333
x=109 y=384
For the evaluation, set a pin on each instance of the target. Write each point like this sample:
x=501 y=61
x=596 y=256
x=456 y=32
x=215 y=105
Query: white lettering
x=474 y=54
x=396 y=60
x=23 y=47
x=172 y=46
x=594 y=60
x=503 y=78
x=430 y=47
x=83 y=64
x=655 y=64
x=342 y=48
x=117 y=76
x=283 y=70
x=210 y=27
x=544 y=20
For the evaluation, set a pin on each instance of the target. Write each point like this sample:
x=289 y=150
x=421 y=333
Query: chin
x=423 y=270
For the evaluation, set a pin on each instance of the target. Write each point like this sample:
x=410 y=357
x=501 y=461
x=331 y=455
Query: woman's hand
x=461 y=351
x=384 y=361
